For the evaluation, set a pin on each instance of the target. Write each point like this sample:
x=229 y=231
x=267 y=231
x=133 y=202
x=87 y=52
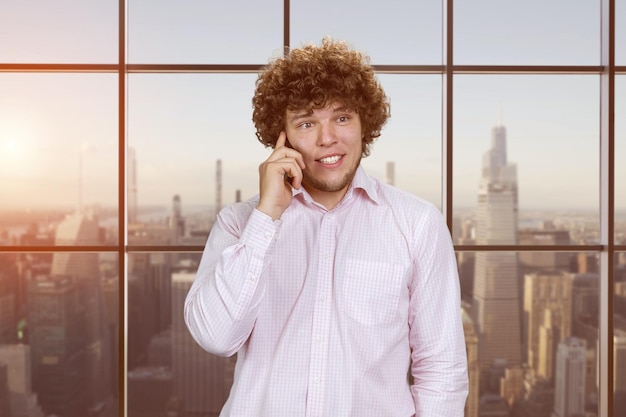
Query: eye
x=305 y=125
x=343 y=119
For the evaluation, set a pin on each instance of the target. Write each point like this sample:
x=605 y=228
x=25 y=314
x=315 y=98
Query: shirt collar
x=360 y=181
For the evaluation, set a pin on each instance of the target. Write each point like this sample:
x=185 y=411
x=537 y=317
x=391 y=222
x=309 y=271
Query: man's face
x=329 y=140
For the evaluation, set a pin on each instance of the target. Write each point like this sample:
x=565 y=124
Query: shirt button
x=316 y=380
x=323 y=298
x=268 y=235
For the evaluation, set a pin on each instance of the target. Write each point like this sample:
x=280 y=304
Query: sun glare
x=10 y=146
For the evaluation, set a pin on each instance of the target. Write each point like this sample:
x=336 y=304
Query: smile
x=330 y=159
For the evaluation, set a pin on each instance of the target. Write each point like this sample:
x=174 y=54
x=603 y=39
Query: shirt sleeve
x=438 y=353
x=222 y=304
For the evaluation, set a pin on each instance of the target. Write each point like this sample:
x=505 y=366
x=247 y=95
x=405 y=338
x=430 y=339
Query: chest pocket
x=371 y=291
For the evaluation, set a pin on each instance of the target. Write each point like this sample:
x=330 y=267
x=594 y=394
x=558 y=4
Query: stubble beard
x=309 y=181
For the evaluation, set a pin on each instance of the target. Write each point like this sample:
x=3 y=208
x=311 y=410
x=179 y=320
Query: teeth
x=330 y=159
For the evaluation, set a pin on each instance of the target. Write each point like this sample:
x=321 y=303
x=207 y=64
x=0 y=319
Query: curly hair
x=312 y=77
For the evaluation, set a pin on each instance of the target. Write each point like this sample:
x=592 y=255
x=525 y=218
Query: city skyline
x=66 y=314
x=186 y=166
x=50 y=121
x=161 y=353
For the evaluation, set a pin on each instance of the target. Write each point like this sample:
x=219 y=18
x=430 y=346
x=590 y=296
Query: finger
x=290 y=167
x=282 y=139
x=290 y=171
x=293 y=174
x=283 y=152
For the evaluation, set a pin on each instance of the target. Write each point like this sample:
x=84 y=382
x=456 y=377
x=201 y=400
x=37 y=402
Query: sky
x=55 y=126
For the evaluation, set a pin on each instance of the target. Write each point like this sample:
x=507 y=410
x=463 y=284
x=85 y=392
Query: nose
x=326 y=135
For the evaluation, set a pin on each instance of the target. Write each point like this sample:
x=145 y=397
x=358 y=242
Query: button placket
x=321 y=318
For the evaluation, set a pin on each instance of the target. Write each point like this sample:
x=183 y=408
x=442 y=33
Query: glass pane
x=391 y=32
x=203 y=126
x=620 y=32
x=619 y=341
x=58 y=142
x=534 y=32
x=59 y=333
x=167 y=369
x=408 y=152
x=556 y=314
x=526 y=155
x=62 y=31
x=620 y=158
x=196 y=32
x=204 y=132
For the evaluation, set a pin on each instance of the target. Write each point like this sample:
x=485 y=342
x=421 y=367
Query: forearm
x=222 y=304
x=440 y=388
x=439 y=359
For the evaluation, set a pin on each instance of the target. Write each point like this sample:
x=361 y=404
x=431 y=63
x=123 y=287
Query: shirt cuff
x=260 y=232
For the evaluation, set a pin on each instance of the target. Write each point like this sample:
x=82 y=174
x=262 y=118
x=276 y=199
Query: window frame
x=607 y=248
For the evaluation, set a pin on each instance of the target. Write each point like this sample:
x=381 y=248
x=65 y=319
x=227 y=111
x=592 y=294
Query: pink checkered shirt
x=329 y=311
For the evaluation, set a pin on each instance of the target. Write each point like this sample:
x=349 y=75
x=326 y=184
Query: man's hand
x=278 y=174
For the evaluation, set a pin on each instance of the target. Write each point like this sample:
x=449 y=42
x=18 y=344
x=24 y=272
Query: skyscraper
x=77 y=361
x=473 y=371
x=5 y=402
x=547 y=316
x=496 y=303
x=8 y=318
x=57 y=340
x=22 y=399
x=569 y=390
x=619 y=361
x=619 y=371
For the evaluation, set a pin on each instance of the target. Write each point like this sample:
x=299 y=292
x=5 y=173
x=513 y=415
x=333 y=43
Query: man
x=339 y=293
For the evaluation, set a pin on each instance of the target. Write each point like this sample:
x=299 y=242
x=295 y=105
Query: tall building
x=547 y=317
x=149 y=307
x=619 y=361
x=492 y=405
x=201 y=381
x=466 y=261
x=537 y=399
x=585 y=307
x=83 y=337
x=569 y=389
x=496 y=295
x=619 y=371
x=5 y=402
x=149 y=391
x=8 y=319
x=57 y=340
x=11 y=296
x=23 y=400
x=550 y=261
x=177 y=221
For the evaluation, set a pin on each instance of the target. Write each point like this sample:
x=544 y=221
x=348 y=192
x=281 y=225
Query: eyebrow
x=299 y=115
x=303 y=114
